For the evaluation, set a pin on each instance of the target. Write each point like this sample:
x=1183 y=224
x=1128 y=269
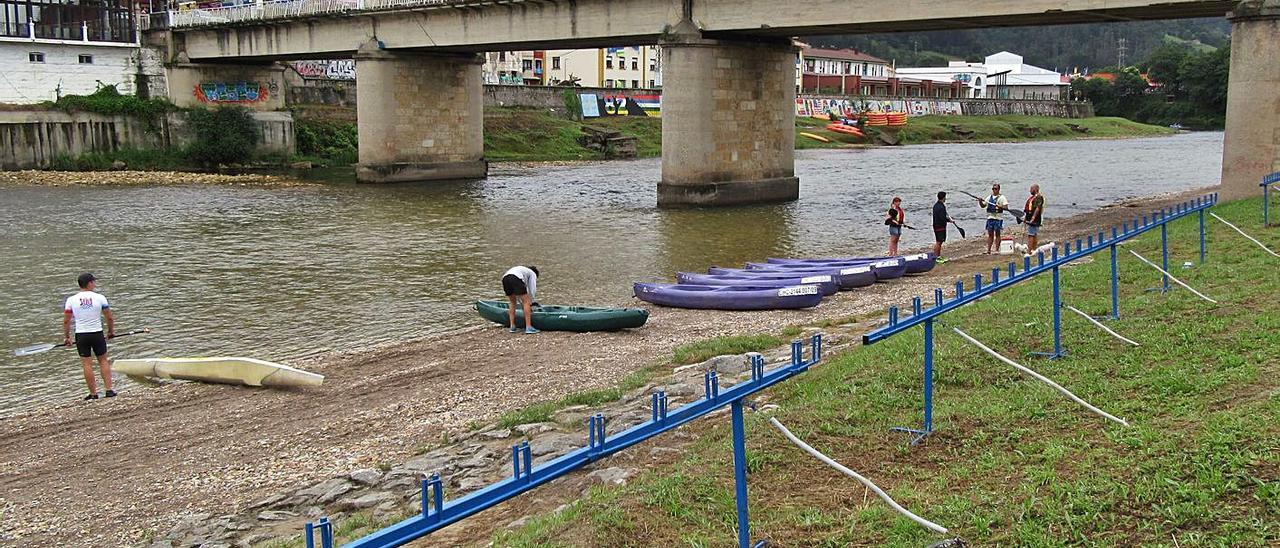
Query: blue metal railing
x=1083 y=247
x=1266 y=196
x=436 y=513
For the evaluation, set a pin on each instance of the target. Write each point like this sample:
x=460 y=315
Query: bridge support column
x=728 y=123
x=420 y=117
x=1252 y=145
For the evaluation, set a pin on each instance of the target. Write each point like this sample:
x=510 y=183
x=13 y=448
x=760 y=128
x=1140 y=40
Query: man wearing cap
x=996 y=205
x=87 y=309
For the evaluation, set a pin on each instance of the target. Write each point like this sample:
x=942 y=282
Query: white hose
x=1099 y=324
x=1038 y=377
x=1162 y=271
x=1260 y=244
x=864 y=481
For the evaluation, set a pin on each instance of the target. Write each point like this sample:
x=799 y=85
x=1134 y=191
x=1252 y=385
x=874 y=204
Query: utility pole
x=1122 y=47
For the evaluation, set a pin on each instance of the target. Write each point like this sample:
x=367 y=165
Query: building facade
x=851 y=72
x=999 y=76
x=638 y=67
x=50 y=49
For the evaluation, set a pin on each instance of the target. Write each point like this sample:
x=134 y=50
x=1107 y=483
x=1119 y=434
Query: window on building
x=502 y=56
x=653 y=64
x=635 y=83
x=608 y=83
x=555 y=63
x=608 y=62
x=651 y=84
x=86 y=59
x=36 y=57
x=635 y=64
x=527 y=64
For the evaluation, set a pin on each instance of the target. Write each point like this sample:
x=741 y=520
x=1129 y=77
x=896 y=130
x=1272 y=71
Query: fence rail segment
x=438 y=514
x=1038 y=377
x=898 y=324
x=1242 y=233
x=864 y=481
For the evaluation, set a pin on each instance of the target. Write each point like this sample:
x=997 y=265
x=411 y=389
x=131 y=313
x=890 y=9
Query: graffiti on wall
x=809 y=106
x=620 y=105
x=234 y=92
x=330 y=69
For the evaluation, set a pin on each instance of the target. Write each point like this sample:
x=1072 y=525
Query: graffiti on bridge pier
x=620 y=105
x=329 y=69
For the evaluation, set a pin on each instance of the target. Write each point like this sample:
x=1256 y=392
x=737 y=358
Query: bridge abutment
x=192 y=85
x=420 y=116
x=728 y=123
x=1252 y=145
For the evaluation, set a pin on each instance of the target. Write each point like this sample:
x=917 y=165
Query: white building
x=638 y=67
x=999 y=76
x=49 y=49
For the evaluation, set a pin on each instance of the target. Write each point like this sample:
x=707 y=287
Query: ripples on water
x=281 y=273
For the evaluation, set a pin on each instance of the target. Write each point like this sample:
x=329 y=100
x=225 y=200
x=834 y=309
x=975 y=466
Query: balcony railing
x=238 y=12
x=79 y=23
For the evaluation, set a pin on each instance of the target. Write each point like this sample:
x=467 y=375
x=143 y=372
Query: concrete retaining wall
x=32 y=139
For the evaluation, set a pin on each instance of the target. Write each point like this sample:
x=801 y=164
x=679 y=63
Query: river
x=285 y=273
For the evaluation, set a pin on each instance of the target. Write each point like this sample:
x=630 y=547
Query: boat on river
x=221 y=370
x=846 y=277
x=580 y=319
x=916 y=264
x=729 y=297
x=826 y=283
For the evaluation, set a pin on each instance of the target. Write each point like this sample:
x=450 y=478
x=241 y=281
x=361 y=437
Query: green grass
x=720 y=346
x=134 y=159
x=1011 y=462
x=933 y=129
x=542 y=411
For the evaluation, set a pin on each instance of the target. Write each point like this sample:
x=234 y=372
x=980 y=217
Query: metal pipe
x=740 y=474
x=1166 y=273
x=1039 y=377
x=1099 y=324
x=864 y=481
x=1237 y=229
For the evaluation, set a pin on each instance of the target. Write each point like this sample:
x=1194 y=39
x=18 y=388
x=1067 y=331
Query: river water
x=284 y=273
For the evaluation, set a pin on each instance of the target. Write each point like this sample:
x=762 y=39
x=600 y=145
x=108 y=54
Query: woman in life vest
x=896 y=219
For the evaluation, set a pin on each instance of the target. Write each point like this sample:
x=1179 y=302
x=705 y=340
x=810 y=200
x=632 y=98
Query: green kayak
x=567 y=318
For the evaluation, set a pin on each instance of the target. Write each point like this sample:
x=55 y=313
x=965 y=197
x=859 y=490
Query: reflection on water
x=281 y=273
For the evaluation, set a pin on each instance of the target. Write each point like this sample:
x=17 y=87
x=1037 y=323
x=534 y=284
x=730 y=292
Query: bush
x=333 y=142
x=223 y=136
x=108 y=100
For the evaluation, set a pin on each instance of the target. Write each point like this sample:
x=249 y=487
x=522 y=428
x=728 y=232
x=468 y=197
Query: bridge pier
x=1252 y=145
x=420 y=117
x=195 y=85
x=728 y=123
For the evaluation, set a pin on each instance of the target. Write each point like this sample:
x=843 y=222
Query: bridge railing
x=285 y=9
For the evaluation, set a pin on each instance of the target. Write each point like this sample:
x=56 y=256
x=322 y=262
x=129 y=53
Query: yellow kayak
x=815 y=137
x=246 y=371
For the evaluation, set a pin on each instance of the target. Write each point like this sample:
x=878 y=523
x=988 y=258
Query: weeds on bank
x=719 y=346
x=542 y=411
x=1011 y=462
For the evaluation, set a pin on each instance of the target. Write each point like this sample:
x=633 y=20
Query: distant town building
x=628 y=67
x=53 y=48
x=1000 y=76
x=851 y=72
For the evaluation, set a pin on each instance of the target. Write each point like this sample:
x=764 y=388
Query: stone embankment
x=472 y=461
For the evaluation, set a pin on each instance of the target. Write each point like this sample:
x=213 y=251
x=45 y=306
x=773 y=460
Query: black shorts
x=940 y=235
x=94 y=342
x=512 y=285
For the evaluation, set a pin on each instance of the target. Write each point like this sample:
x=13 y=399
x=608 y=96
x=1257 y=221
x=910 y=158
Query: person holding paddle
x=1033 y=216
x=88 y=308
x=996 y=205
x=896 y=219
x=940 y=220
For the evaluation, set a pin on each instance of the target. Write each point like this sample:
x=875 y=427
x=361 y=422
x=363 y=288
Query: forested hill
x=1064 y=47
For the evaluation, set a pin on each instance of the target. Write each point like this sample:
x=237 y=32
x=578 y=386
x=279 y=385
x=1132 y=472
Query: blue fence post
x=1164 y=253
x=928 y=378
x=1266 y=204
x=1115 y=284
x=309 y=531
x=740 y=474
x=1201 y=212
x=1057 y=318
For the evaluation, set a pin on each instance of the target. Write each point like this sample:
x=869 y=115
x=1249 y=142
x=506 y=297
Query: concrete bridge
x=729 y=71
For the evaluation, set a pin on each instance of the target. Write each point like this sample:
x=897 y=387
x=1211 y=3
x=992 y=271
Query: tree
x=1165 y=65
x=1204 y=76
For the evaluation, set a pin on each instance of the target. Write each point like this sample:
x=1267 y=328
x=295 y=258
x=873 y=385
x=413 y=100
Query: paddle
x=45 y=347
x=960 y=228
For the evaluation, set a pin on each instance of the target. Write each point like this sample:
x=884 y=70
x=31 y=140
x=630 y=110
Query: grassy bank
x=1012 y=462
x=939 y=129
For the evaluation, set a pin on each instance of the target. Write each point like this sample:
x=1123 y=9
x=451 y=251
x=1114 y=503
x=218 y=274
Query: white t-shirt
x=87 y=307
x=1000 y=202
x=527 y=276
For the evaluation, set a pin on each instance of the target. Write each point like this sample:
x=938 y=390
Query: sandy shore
x=139 y=178
x=117 y=471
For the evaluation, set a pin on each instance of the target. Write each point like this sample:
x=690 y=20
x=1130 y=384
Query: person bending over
x=520 y=284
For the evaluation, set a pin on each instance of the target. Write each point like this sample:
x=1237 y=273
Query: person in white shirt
x=87 y=309
x=520 y=283
x=996 y=205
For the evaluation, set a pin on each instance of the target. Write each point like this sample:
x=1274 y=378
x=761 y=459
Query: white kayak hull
x=244 y=371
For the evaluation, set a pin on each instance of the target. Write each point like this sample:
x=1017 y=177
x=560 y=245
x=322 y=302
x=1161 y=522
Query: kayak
x=729 y=297
x=885 y=268
x=580 y=319
x=916 y=264
x=846 y=277
x=826 y=283
x=222 y=370
x=816 y=137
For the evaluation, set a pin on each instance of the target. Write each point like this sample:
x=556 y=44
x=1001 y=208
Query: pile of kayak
x=779 y=283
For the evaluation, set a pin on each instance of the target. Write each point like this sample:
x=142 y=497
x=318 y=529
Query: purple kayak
x=916 y=264
x=729 y=297
x=826 y=283
x=846 y=277
x=885 y=269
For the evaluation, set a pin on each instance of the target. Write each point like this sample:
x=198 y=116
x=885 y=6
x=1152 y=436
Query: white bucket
x=1006 y=245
